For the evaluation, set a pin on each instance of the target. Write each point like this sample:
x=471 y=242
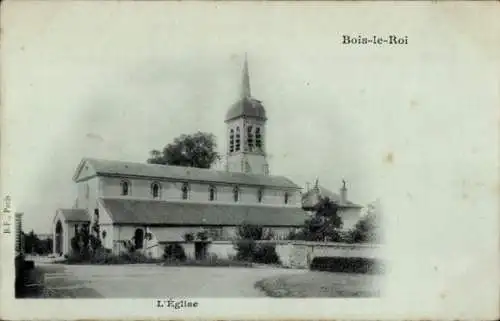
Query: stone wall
x=300 y=254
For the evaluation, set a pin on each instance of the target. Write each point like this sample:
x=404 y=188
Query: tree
x=30 y=242
x=366 y=230
x=323 y=226
x=247 y=249
x=195 y=150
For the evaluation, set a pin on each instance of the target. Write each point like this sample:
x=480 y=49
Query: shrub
x=265 y=253
x=175 y=252
x=347 y=265
x=245 y=249
x=134 y=257
x=103 y=256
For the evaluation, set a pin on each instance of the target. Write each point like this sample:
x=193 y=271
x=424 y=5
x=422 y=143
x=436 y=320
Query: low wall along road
x=297 y=254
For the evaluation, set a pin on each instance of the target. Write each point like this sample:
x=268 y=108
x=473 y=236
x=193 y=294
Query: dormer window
x=286 y=197
x=155 y=190
x=125 y=186
x=259 y=195
x=236 y=194
x=211 y=193
x=185 y=191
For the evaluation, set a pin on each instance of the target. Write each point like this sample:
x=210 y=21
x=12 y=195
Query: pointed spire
x=245 y=84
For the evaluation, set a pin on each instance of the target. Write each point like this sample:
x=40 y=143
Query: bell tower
x=246 y=130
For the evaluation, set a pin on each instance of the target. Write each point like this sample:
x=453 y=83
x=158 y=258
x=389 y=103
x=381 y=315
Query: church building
x=152 y=205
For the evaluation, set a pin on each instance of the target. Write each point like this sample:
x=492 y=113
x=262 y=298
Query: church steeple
x=246 y=124
x=245 y=83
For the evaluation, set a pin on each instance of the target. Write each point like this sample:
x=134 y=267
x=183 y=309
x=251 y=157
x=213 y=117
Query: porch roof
x=74 y=214
x=148 y=212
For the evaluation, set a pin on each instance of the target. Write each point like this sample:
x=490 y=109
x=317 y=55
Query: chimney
x=343 y=193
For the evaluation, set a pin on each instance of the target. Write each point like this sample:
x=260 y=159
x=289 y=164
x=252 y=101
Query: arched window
x=286 y=197
x=211 y=193
x=258 y=138
x=236 y=194
x=125 y=187
x=87 y=190
x=155 y=190
x=185 y=191
x=231 y=140
x=237 y=148
x=250 y=138
x=259 y=195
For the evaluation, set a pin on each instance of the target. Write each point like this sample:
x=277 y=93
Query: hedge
x=347 y=265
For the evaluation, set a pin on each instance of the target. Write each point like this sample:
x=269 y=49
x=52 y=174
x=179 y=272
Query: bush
x=134 y=257
x=174 y=252
x=347 y=265
x=104 y=256
x=245 y=249
x=213 y=261
x=266 y=254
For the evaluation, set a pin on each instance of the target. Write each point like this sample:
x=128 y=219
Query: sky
x=415 y=126
x=122 y=85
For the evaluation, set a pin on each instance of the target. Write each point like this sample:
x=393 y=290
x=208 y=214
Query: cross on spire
x=245 y=84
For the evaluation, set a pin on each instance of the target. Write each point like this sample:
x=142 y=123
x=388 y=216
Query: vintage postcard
x=249 y=160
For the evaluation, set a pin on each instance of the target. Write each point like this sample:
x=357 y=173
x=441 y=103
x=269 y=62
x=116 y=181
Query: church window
x=236 y=194
x=211 y=193
x=185 y=191
x=155 y=190
x=250 y=138
x=87 y=190
x=125 y=187
x=231 y=140
x=258 y=138
x=237 y=147
x=286 y=197
x=259 y=195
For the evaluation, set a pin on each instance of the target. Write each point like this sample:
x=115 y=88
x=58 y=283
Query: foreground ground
x=321 y=284
x=154 y=281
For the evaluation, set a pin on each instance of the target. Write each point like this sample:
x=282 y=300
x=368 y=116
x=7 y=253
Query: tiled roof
x=309 y=197
x=246 y=107
x=121 y=168
x=151 y=212
x=74 y=215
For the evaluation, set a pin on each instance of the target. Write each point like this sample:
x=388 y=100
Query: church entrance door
x=59 y=238
x=200 y=250
x=139 y=238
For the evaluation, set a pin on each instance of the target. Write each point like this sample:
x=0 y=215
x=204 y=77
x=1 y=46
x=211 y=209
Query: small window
x=237 y=148
x=250 y=138
x=286 y=198
x=155 y=190
x=185 y=191
x=236 y=194
x=259 y=195
x=211 y=193
x=125 y=188
x=231 y=141
x=258 y=138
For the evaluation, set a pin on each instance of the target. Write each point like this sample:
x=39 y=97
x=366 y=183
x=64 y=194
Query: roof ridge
x=202 y=203
x=180 y=167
